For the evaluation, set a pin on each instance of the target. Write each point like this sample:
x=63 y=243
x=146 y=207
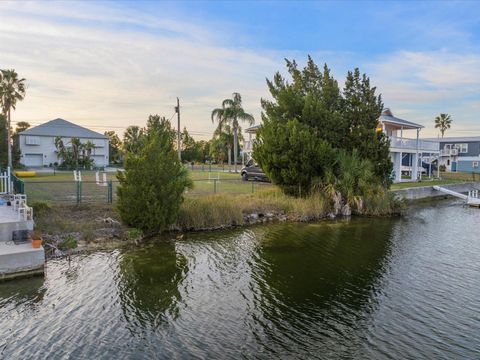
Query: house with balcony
x=37 y=144
x=408 y=152
x=460 y=154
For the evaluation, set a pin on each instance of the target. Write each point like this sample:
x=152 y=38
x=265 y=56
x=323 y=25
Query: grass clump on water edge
x=221 y=210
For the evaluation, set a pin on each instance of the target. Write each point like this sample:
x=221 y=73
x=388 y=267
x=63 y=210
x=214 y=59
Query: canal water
x=403 y=288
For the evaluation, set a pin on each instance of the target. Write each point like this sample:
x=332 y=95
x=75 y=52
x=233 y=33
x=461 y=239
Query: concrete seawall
x=423 y=192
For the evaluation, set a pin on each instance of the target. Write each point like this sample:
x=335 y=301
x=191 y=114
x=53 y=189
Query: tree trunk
x=235 y=147
x=9 y=142
x=229 y=150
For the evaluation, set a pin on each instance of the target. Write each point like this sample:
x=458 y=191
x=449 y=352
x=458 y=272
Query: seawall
x=423 y=192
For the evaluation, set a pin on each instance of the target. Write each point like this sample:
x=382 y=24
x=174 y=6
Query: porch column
x=397 y=166
x=415 y=172
x=415 y=166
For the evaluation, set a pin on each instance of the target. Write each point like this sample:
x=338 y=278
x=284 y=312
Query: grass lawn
x=405 y=185
x=60 y=187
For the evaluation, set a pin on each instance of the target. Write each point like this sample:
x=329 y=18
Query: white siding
x=46 y=147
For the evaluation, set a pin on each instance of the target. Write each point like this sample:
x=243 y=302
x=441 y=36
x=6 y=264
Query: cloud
x=423 y=84
x=100 y=76
x=108 y=66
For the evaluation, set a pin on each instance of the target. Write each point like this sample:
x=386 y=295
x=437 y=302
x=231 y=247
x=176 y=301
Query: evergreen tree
x=361 y=110
x=312 y=107
x=152 y=186
x=191 y=150
x=114 y=147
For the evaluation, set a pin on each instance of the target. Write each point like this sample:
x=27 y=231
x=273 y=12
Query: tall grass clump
x=209 y=212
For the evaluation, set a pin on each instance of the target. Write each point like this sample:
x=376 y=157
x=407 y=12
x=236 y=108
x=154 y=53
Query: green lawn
x=62 y=188
x=405 y=185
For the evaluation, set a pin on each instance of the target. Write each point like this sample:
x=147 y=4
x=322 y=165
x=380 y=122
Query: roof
x=253 y=129
x=387 y=117
x=459 y=139
x=63 y=128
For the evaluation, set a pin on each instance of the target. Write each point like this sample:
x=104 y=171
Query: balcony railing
x=411 y=144
x=449 y=152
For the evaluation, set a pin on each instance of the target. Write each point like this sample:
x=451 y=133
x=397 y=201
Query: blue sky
x=109 y=64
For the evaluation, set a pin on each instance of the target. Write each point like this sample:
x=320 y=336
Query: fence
x=75 y=192
x=463 y=176
x=226 y=186
x=5 y=184
x=79 y=192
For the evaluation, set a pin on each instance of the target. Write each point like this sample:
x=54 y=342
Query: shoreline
x=95 y=227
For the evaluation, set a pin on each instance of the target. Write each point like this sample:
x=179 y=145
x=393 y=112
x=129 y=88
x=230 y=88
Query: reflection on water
x=311 y=273
x=149 y=281
x=364 y=288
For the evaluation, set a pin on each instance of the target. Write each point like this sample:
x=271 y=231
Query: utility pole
x=177 y=110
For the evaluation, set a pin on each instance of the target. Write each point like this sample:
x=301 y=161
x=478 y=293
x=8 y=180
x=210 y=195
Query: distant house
x=37 y=144
x=460 y=153
x=248 y=144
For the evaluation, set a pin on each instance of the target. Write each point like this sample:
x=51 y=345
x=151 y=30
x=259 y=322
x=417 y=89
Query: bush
x=152 y=186
x=41 y=208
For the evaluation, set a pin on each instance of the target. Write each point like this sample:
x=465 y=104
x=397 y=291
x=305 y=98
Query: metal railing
x=411 y=144
x=448 y=152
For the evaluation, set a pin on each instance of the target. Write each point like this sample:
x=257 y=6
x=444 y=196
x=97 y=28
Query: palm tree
x=230 y=113
x=76 y=148
x=12 y=89
x=443 y=122
x=132 y=139
x=61 y=149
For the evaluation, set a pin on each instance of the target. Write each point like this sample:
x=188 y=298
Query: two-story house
x=460 y=153
x=408 y=154
x=37 y=144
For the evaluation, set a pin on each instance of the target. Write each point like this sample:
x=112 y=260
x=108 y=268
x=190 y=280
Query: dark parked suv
x=252 y=171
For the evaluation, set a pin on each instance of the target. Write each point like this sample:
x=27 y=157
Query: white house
x=248 y=144
x=37 y=144
x=407 y=154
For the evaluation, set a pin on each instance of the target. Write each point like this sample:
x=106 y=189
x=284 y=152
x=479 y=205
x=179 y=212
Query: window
x=32 y=140
x=475 y=164
x=448 y=162
x=462 y=148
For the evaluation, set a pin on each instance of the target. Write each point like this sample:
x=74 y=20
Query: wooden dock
x=472 y=199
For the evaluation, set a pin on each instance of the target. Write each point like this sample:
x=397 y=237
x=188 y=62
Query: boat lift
x=472 y=199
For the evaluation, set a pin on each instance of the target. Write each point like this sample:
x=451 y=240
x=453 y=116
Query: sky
x=108 y=65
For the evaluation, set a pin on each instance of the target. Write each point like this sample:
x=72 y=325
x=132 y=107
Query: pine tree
x=154 y=181
x=310 y=114
x=361 y=110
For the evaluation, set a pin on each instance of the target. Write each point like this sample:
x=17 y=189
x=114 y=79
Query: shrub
x=41 y=208
x=152 y=186
x=70 y=242
x=134 y=234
